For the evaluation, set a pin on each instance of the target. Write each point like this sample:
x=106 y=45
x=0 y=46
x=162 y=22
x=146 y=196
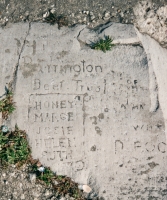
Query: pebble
x=92 y=17
x=6 y=19
x=53 y=198
x=20 y=185
x=122 y=15
x=67 y=196
x=62 y=198
x=22 y=196
x=27 y=13
x=91 y=13
x=53 y=10
x=107 y=16
x=85 y=12
x=55 y=182
x=32 y=177
x=45 y=14
x=84 y=19
x=47 y=192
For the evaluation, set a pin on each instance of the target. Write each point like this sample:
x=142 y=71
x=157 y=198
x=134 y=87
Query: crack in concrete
x=14 y=79
x=103 y=27
x=80 y=32
x=80 y=41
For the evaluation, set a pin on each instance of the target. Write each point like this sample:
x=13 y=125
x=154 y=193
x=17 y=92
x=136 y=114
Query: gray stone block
x=87 y=113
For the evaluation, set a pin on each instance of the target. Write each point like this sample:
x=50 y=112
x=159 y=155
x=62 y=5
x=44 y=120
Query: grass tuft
x=103 y=44
x=7 y=104
x=14 y=148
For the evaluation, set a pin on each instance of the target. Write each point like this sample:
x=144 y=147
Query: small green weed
x=7 y=104
x=103 y=44
x=14 y=147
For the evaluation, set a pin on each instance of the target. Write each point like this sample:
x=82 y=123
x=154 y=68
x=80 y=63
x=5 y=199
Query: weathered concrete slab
x=89 y=114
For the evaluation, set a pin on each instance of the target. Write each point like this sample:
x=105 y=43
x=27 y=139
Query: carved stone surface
x=90 y=115
x=151 y=20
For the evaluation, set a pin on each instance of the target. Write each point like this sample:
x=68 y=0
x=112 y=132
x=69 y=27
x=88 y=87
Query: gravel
x=89 y=12
x=19 y=185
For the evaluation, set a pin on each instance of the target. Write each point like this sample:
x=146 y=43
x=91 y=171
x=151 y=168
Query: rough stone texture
x=92 y=116
x=152 y=20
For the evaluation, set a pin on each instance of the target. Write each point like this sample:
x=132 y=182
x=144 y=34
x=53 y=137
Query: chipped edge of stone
x=128 y=41
x=153 y=85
